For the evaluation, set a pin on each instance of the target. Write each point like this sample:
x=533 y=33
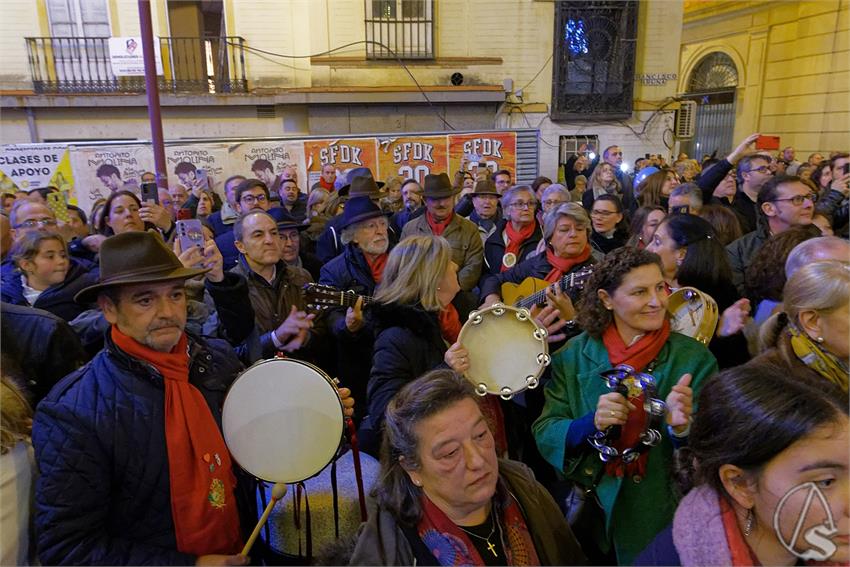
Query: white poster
x=267 y=160
x=100 y=170
x=188 y=165
x=127 y=56
x=31 y=166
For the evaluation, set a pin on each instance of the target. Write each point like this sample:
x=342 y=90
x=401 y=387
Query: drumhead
x=507 y=350
x=282 y=420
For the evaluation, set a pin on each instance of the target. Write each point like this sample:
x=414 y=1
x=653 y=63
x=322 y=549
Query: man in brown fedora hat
x=486 y=212
x=441 y=220
x=133 y=465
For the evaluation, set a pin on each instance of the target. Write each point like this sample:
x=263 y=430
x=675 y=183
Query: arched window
x=715 y=72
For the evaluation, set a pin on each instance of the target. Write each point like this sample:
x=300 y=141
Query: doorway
x=712 y=86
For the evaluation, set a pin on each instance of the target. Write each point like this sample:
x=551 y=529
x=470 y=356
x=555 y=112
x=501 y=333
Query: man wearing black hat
x=291 y=251
x=358 y=269
x=360 y=182
x=441 y=220
x=120 y=442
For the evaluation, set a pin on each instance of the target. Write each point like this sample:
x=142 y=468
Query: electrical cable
x=347 y=45
x=538 y=73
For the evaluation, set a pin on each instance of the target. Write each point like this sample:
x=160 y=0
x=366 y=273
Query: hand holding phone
x=190 y=233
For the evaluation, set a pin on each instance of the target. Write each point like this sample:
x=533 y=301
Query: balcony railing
x=190 y=65
x=399 y=28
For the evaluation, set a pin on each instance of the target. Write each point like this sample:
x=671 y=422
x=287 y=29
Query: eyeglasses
x=550 y=202
x=798 y=200
x=522 y=205
x=251 y=199
x=602 y=213
x=32 y=223
x=761 y=169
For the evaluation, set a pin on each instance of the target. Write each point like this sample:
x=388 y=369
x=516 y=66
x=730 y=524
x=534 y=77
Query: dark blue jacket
x=103 y=495
x=662 y=550
x=401 y=218
x=57 y=299
x=408 y=343
x=299 y=209
x=328 y=246
x=494 y=249
x=218 y=226
x=350 y=272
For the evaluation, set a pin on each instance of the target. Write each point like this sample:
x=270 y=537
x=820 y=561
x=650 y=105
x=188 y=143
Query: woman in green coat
x=624 y=316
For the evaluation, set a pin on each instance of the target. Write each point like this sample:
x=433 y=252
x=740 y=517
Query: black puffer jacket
x=103 y=495
x=57 y=299
x=408 y=343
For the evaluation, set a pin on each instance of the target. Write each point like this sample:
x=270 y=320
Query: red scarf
x=638 y=356
x=515 y=240
x=200 y=472
x=438 y=227
x=561 y=266
x=325 y=185
x=452 y=546
x=449 y=321
x=377 y=266
x=742 y=555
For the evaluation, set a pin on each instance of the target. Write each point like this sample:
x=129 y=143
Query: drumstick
x=278 y=492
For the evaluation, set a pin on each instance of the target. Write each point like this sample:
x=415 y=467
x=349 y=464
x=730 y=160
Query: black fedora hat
x=438 y=186
x=485 y=187
x=285 y=221
x=352 y=175
x=135 y=257
x=359 y=209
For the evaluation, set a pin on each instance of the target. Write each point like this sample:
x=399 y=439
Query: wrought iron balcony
x=74 y=65
x=399 y=29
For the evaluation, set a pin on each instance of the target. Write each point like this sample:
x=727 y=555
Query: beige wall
x=793 y=65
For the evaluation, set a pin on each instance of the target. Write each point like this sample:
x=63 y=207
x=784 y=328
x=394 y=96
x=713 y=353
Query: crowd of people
x=651 y=441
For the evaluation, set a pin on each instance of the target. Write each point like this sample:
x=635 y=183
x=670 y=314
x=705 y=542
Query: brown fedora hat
x=364 y=186
x=485 y=187
x=353 y=174
x=438 y=186
x=135 y=257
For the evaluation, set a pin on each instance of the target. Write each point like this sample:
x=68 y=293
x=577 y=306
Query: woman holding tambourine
x=692 y=256
x=587 y=415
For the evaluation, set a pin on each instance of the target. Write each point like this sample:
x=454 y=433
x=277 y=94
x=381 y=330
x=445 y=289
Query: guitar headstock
x=577 y=280
x=320 y=297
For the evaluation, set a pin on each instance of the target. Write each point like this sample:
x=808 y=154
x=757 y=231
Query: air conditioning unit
x=686 y=120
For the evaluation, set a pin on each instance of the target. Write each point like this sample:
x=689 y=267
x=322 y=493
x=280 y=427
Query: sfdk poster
x=496 y=150
x=342 y=153
x=413 y=157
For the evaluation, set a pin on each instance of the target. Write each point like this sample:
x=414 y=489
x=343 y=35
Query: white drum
x=283 y=420
x=507 y=350
x=693 y=313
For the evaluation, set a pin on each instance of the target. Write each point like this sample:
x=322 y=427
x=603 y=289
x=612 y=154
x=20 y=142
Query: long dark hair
x=426 y=396
x=105 y=229
x=765 y=276
x=705 y=265
x=608 y=275
x=748 y=415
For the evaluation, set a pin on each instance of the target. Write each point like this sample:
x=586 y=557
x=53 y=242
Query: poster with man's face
x=268 y=161
x=102 y=170
x=188 y=165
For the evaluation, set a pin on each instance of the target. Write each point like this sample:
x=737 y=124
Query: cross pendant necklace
x=490 y=546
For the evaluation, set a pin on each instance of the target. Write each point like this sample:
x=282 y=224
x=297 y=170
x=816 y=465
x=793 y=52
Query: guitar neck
x=566 y=283
x=349 y=299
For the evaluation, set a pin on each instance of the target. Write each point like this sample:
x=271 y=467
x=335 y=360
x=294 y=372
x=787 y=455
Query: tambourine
x=693 y=313
x=283 y=420
x=507 y=350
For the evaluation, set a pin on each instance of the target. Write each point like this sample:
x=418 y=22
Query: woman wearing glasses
x=606 y=217
x=515 y=236
x=564 y=250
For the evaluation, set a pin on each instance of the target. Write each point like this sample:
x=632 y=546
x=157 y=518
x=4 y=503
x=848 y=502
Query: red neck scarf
x=638 y=356
x=377 y=266
x=200 y=472
x=450 y=545
x=449 y=321
x=561 y=266
x=742 y=555
x=325 y=185
x=515 y=240
x=438 y=227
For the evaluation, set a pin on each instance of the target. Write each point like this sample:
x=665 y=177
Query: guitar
x=532 y=291
x=321 y=297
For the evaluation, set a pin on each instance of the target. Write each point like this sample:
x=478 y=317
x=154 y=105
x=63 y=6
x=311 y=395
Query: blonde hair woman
x=414 y=321
x=16 y=474
x=810 y=337
x=392 y=201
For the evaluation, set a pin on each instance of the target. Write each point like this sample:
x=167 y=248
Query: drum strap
x=335 y=491
x=358 y=473
x=299 y=489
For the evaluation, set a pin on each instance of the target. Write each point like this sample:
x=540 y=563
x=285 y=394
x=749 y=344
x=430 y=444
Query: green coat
x=636 y=509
